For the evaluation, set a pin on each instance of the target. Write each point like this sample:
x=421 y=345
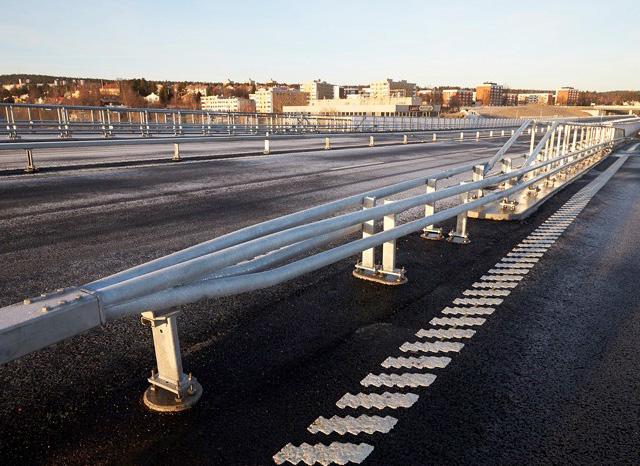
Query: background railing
x=69 y=121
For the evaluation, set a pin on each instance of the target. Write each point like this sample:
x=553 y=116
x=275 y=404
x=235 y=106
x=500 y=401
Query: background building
x=356 y=105
x=318 y=90
x=489 y=94
x=214 y=103
x=389 y=88
x=544 y=98
x=462 y=97
x=272 y=100
x=567 y=96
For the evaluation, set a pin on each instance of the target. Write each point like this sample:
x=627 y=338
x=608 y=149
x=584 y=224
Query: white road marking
x=504 y=277
x=487 y=293
x=446 y=333
x=419 y=362
x=512 y=265
x=353 y=425
x=336 y=452
x=408 y=379
x=457 y=321
x=468 y=311
x=525 y=254
x=432 y=347
x=478 y=301
x=521 y=260
x=510 y=271
x=496 y=284
x=377 y=400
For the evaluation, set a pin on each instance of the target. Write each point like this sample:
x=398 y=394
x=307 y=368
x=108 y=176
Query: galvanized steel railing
x=278 y=250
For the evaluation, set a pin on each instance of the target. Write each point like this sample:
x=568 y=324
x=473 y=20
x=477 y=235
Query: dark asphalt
x=13 y=161
x=551 y=378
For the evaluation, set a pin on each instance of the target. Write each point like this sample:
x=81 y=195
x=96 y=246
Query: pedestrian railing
x=74 y=121
x=281 y=249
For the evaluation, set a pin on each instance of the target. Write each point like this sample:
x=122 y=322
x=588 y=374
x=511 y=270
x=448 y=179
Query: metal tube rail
x=197 y=267
x=270 y=226
x=39 y=322
x=232 y=285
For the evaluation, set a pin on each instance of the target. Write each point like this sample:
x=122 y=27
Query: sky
x=590 y=45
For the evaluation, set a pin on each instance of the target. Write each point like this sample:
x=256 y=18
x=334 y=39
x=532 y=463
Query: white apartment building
x=215 y=103
x=389 y=88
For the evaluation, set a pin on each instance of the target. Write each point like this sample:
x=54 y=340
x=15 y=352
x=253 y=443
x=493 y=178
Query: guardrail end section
x=39 y=322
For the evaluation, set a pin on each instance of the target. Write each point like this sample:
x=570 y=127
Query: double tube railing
x=260 y=256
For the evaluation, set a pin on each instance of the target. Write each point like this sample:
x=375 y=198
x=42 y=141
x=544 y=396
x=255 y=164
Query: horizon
x=459 y=42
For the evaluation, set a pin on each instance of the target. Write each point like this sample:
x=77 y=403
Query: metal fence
x=281 y=249
x=68 y=121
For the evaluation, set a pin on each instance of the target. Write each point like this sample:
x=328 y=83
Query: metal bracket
x=171 y=390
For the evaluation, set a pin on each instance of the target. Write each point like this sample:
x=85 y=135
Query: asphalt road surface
x=551 y=377
x=65 y=157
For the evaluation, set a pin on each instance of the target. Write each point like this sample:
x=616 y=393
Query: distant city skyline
x=545 y=45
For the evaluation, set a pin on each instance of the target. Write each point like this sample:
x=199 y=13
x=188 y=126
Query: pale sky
x=591 y=45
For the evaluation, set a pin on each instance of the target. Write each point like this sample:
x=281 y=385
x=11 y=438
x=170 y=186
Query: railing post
x=171 y=390
x=435 y=138
x=327 y=144
x=176 y=153
x=430 y=231
x=477 y=135
x=367 y=269
x=461 y=135
x=267 y=148
x=389 y=270
x=506 y=166
x=459 y=235
x=368 y=229
x=371 y=141
x=405 y=139
x=30 y=168
x=478 y=174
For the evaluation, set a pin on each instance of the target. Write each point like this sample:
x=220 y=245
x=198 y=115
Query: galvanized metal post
x=459 y=235
x=389 y=247
x=478 y=174
x=171 y=389
x=30 y=168
x=176 y=153
x=430 y=231
x=368 y=229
